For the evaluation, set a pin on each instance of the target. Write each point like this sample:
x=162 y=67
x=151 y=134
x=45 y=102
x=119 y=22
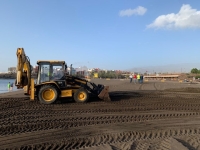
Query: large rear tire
x=81 y=95
x=47 y=94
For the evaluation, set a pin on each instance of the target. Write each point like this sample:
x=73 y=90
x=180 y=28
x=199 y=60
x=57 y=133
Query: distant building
x=12 y=70
x=34 y=69
x=82 y=71
x=161 y=77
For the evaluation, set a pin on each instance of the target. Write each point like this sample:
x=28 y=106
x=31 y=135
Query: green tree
x=195 y=70
x=108 y=74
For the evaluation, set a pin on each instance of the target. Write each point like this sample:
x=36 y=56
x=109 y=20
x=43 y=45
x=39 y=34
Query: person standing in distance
x=11 y=86
x=131 y=77
x=134 y=78
x=8 y=86
x=138 y=78
x=141 y=78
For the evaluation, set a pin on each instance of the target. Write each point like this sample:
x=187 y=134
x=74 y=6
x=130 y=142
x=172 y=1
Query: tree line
x=195 y=71
x=109 y=74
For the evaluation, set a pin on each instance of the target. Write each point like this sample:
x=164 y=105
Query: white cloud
x=129 y=12
x=185 y=18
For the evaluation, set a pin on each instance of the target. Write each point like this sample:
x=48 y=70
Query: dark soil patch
x=186 y=89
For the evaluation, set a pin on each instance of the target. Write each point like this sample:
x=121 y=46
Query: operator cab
x=50 y=71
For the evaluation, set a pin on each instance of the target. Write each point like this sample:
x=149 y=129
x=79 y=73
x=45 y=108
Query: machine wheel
x=81 y=95
x=47 y=94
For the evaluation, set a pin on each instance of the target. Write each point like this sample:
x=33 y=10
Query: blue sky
x=106 y=34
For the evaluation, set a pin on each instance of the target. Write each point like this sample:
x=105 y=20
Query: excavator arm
x=23 y=79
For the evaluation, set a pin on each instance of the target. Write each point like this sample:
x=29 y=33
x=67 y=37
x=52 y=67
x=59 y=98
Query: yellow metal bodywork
x=20 y=63
x=50 y=61
x=32 y=95
x=23 y=70
x=66 y=93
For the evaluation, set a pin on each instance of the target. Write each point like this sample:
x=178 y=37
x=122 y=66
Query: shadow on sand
x=114 y=96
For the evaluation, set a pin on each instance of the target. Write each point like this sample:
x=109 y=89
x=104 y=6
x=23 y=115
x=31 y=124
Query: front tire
x=81 y=95
x=47 y=94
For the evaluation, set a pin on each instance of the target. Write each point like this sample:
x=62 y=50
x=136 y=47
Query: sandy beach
x=154 y=115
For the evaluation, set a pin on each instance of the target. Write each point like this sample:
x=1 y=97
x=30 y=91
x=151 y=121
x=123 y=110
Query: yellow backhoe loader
x=53 y=82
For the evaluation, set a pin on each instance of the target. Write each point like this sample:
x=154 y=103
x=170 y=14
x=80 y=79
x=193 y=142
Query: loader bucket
x=104 y=94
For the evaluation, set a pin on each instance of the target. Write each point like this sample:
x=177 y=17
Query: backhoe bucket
x=104 y=94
